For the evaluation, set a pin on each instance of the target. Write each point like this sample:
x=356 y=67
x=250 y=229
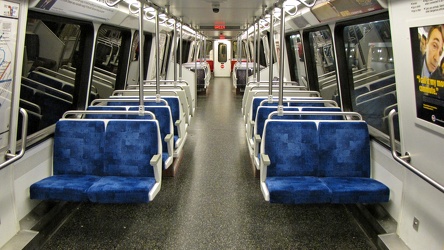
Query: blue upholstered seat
x=356 y=190
x=302 y=162
x=105 y=116
x=77 y=161
x=118 y=189
x=119 y=164
x=297 y=190
x=163 y=116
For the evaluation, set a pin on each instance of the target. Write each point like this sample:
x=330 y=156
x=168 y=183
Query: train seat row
x=318 y=162
x=162 y=115
x=105 y=161
x=203 y=71
x=301 y=113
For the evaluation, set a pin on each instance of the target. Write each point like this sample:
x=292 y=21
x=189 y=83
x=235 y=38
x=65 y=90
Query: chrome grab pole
x=14 y=157
x=157 y=58
x=180 y=50
x=141 y=53
x=246 y=54
x=254 y=52
x=270 y=58
x=405 y=160
x=281 y=62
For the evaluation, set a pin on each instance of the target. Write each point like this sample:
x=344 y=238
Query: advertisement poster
x=428 y=67
x=96 y=9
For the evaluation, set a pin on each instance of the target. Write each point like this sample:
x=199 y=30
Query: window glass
x=106 y=61
x=297 y=53
x=370 y=58
x=51 y=55
x=222 y=55
x=322 y=52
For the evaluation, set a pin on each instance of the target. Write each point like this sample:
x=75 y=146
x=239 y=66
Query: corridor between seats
x=214 y=201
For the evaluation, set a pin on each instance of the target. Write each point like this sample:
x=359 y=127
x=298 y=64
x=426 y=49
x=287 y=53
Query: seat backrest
x=78 y=147
x=106 y=116
x=163 y=116
x=321 y=117
x=262 y=116
x=344 y=149
x=292 y=147
x=129 y=147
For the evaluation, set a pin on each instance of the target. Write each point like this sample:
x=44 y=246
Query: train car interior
x=221 y=124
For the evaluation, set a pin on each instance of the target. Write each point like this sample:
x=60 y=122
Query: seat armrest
x=257 y=143
x=180 y=128
x=169 y=139
x=264 y=163
x=156 y=163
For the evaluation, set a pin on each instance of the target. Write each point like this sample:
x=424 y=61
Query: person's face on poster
x=434 y=50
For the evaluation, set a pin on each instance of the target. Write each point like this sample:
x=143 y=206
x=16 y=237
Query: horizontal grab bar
x=404 y=160
x=13 y=157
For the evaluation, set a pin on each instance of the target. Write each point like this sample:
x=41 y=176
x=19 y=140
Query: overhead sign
x=219 y=25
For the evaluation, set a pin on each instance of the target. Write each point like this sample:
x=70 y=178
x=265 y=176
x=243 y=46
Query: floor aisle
x=213 y=202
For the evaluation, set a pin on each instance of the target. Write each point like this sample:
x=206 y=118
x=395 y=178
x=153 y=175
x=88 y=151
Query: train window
x=166 y=53
x=106 y=61
x=296 y=55
x=51 y=55
x=222 y=55
x=133 y=71
x=368 y=49
x=321 y=50
x=209 y=50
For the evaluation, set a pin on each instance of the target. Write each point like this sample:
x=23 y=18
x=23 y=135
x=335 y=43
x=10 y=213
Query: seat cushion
x=297 y=190
x=118 y=189
x=356 y=190
x=63 y=187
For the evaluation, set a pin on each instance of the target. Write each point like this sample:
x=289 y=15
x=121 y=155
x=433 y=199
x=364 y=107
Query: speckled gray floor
x=213 y=202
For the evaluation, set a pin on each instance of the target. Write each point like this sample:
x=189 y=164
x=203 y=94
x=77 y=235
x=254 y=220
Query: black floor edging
x=50 y=222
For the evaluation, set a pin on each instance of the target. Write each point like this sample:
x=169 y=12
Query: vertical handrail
x=258 y=53
x=270 y=57
x=404 y=160
x=157 y=57
x=281 y=62
x=180 y=50
x=174 y=52
x=246 y=54
x=141 y=53
x=14 y=157
x=254 y=51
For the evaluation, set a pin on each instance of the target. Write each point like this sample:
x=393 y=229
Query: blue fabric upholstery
x=292 y=148
x=163 y=116
x=145 y=102
x=78 y=147
x=118 y=189
x=297 y=190
x=329 y=163
x=130 y=146
x=262 y=116
x=63 y=187
x=105 y=116
x=344 y=149
x=356 y=190
x=256 y=103
x=91 y=164
x=306 y=102
x=321 y=117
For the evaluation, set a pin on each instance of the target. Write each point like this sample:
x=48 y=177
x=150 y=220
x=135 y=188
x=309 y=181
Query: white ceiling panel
x=232 y=13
